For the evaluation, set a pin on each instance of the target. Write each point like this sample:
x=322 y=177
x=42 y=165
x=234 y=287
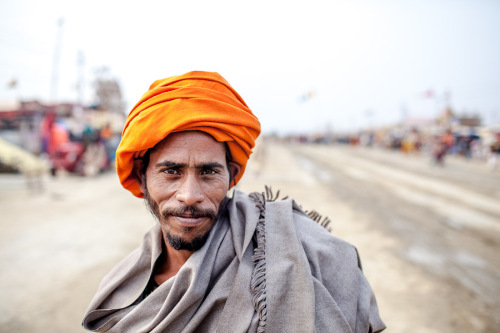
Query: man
x=213 y=263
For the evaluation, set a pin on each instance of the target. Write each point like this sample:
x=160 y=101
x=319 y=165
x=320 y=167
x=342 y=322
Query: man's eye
x=170 y=171
x=209 y=172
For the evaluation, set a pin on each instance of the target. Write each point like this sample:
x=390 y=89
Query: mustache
x=190 y=210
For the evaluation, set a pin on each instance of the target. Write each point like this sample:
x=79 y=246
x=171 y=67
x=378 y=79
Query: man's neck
x=172 y=261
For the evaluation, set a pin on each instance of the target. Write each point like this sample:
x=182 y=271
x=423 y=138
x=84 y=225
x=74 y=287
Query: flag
x=307 y=96
x=12 y=83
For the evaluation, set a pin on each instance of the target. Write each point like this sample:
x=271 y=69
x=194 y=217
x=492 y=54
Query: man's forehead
x=198 y=142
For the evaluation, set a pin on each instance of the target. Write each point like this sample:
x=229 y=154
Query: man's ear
x=138 y=171
x=235 y=169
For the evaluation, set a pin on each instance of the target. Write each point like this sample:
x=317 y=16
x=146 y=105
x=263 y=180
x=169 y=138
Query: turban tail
x=196 y=101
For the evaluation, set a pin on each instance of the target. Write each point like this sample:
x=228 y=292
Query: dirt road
x=428 y=237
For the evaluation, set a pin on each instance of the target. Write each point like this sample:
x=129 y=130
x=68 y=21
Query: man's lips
x=189 y=221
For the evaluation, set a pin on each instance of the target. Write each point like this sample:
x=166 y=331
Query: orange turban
x=195 y=101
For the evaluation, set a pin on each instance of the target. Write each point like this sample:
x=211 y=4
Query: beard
x=178 y=242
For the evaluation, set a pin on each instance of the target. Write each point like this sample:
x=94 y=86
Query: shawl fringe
x=258 y=280
x=269 y=196
x=318 y=218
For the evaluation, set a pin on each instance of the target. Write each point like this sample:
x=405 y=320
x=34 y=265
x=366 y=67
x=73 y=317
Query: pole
x=81 y=79
x=55 y=64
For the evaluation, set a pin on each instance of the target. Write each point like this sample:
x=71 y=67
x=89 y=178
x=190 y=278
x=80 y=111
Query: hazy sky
x=367 y=62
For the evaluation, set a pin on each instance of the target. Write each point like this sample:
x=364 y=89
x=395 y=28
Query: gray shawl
x=266 y=267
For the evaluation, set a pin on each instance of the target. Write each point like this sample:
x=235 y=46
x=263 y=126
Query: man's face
x=186 y=182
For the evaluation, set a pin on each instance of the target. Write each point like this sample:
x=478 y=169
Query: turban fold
x=195 y=101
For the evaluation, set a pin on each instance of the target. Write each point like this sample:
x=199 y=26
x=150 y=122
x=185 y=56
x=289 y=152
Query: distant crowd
x=87 y=151
x=483 y=147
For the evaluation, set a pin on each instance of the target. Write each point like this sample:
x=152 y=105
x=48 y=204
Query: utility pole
x=81 y=78
x=55 y=64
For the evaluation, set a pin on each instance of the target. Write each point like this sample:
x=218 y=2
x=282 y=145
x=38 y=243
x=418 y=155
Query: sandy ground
x=428 y=237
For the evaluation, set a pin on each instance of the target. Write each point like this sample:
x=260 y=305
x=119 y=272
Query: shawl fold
x=311 y=281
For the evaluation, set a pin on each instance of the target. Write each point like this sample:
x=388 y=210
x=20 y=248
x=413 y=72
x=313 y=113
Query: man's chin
x=179 y=243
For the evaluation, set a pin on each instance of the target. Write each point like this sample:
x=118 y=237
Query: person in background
x=494 y=153
x=442 y=146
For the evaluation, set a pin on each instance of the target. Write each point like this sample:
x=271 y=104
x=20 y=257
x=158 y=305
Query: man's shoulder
x=308 y=223
x=311 y=228
x=319 y=241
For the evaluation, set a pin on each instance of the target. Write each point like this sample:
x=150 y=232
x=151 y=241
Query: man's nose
x=190 y=191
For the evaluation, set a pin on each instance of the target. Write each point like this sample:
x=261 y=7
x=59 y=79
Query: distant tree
x=108 y=92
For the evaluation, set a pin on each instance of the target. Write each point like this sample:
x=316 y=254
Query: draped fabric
x=195 y=101
x=310 y=281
